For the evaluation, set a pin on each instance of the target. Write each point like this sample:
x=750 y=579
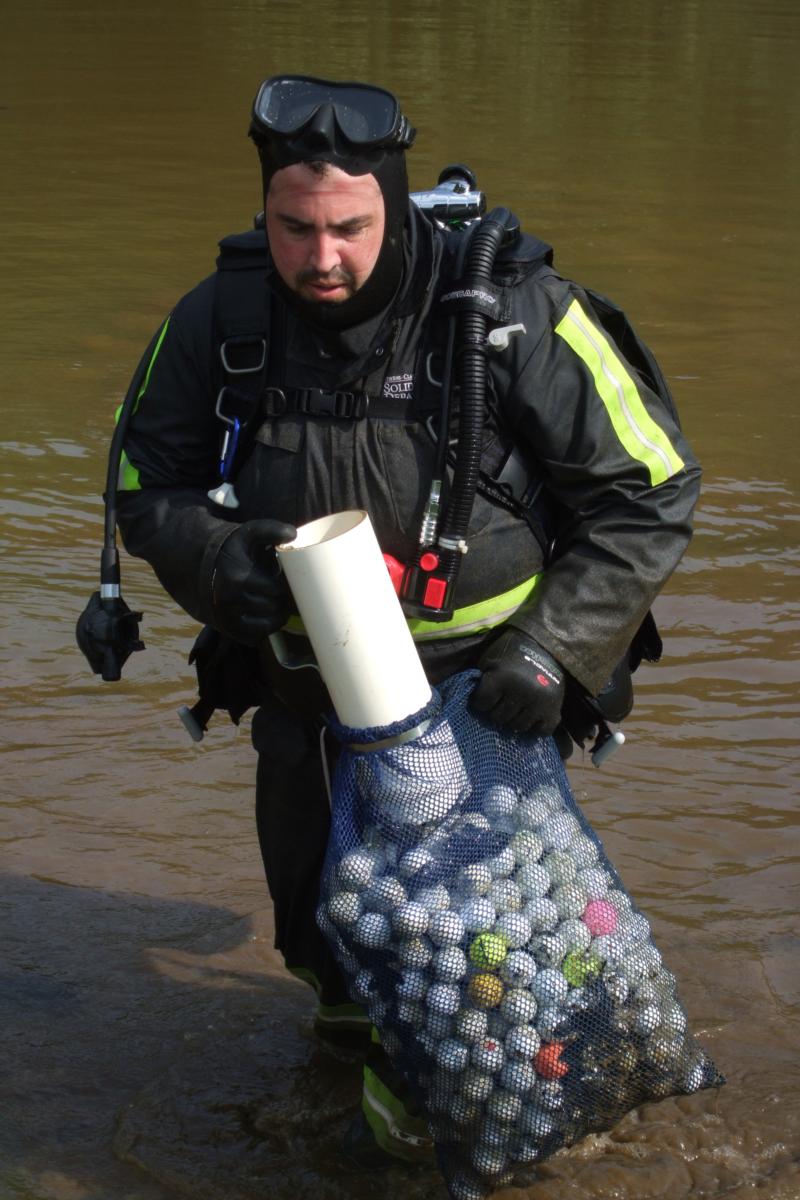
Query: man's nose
x=324 y=253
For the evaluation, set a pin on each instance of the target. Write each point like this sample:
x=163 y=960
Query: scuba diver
x=423 y=361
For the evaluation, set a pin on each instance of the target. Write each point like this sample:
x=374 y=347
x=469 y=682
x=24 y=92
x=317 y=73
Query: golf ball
x=478 y=914
x=504 y=1105
x=485 y=991
x=518 y=1006
x=372 y=929
x=443 y=998
x=522 y=1041
x=452 y=1054
x=356 y=869
x=446 y=928
x=488 y=1055
x=488 y=950
x=533 y=879
x=542 y=914
x=344 y=908
x=384 y=894
x=471 y=1025
x=527 y=846
x=518 y=969
x=414 y=952
x=514 y=927
x=450 y=964
x=475 y=879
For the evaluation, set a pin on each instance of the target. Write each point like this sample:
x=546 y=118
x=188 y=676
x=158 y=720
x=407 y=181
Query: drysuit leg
x=292 y=819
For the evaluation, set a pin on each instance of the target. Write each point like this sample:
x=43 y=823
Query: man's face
x=325 y=232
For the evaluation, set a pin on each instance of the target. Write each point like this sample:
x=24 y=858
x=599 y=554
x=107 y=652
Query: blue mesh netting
x=476 y=916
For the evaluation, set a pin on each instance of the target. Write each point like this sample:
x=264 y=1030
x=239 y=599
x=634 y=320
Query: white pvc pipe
x=354 y=621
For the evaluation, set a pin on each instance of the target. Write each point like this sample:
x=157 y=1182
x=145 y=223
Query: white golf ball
x=522 y=1041
x=443 y=998
x=414 y=952
x=412 y=985
x=495 y=1133
x=515 y=927
x=533 y=879
x=502 y=864
x=471 y=1025
x=476 y=1085
x=364 y=986
x=517 y=1078
x=584 y=850
x=356 y=869
x=500 y=800
x=560 y=866
x=410 y=919
x=550 y=987
x=559 y=830
x=531 y=813
x=504 y=1105
x=576 y=935
x=411 y=1012
x=488 y=1055
x=488 y=1161
x=550 y=949
x=446 y=928
x=433 y=898
x=505 y=895
x=518 y=968
x=384 y=894
x=475 y=879
x=478 y=914
x=344 y=908
x=647 y=1020
x=414 y=861
x=518 y=1006
x=439 y=1025
x=450 y=964
x=536 y=1123
x=542 y=914
x=548 y=1021
x=550 y=1094
x=372 y=929
x=528 y=847
x=673 y=1019
x=595 y=882
x=452 y=1054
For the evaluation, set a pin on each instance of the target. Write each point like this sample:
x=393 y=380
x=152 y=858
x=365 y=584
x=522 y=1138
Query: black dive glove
x=250 y=595
x=522 y=687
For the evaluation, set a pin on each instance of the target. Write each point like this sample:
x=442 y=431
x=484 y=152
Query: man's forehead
x=305 y=180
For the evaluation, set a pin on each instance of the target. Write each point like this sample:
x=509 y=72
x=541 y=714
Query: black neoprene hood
x=321 y=140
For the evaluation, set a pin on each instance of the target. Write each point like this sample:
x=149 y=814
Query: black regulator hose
x=107 y=631
x=485 y=243
x=428 y=586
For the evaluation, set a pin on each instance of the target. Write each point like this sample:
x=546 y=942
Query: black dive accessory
x=429 y=582
x=297 y=106
x=107 y=630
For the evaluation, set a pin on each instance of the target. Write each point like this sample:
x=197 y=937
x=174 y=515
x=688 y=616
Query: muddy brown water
x=152 y=1046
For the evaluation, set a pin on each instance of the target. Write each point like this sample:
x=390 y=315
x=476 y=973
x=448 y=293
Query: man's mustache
x=338 y=277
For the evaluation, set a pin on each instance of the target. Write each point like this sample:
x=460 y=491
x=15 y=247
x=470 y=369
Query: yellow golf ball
x=485 y=991
x=488 y=950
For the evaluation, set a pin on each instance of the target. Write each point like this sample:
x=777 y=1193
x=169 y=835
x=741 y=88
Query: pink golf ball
x=600 y=917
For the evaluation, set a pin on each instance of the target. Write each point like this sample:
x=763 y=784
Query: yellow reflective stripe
x=392 y=1127
x=643 y=439
x=473 y=618
x=128 y=477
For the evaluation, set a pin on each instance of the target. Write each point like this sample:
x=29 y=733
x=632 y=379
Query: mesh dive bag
x=513 y=982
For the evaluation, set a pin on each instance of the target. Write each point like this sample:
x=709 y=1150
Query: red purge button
x=429 y=561
x=434 y=592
